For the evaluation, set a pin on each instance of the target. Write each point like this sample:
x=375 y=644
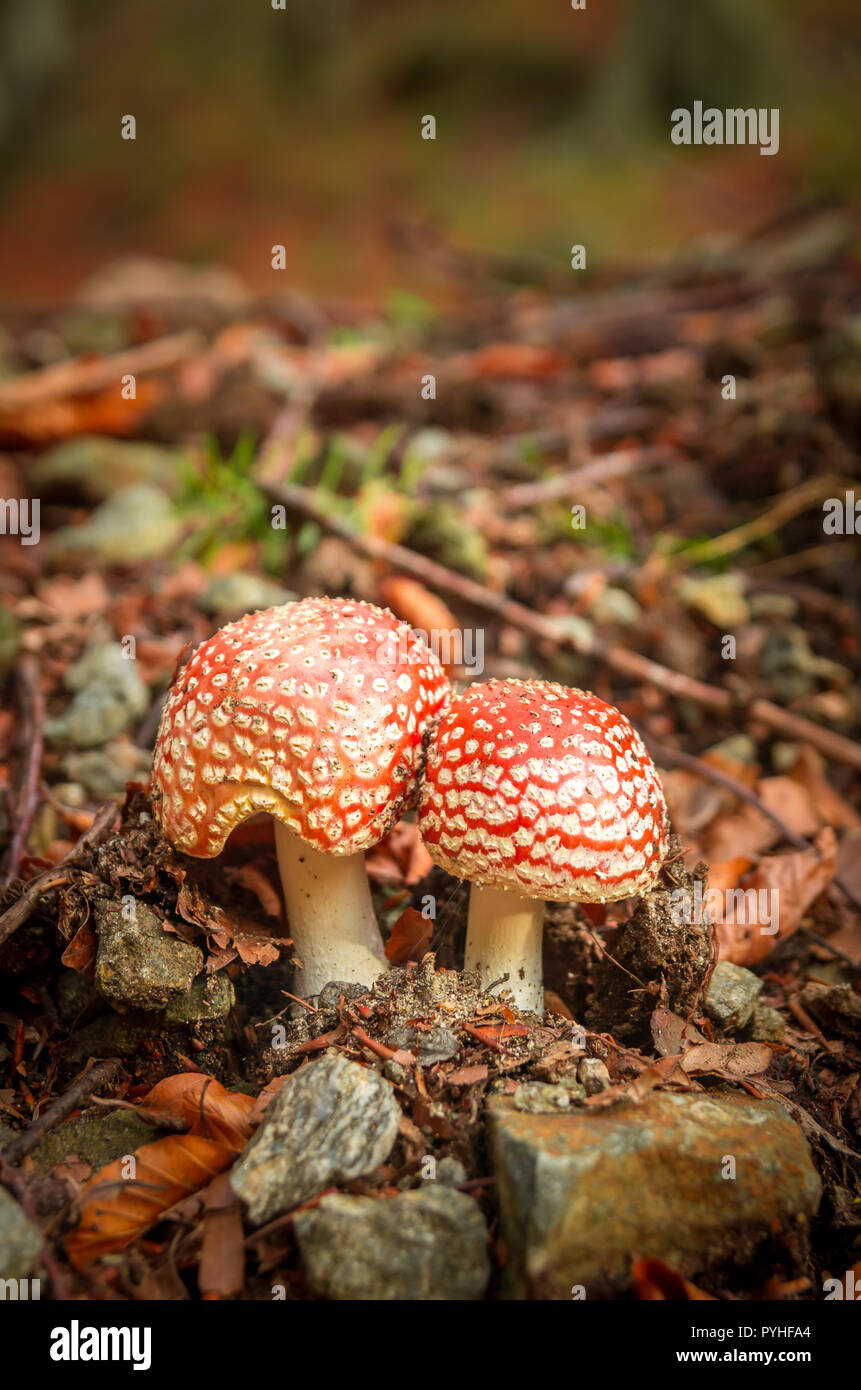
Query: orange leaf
x=410 y=937
x=653 y=1280
x=778 y=891
x=205 y=1106
x=116 y=1209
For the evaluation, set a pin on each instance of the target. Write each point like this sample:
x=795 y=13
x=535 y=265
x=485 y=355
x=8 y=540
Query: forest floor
x=645 y=488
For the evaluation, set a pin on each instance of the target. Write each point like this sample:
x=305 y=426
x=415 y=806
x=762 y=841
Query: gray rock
x=99 y=467
x=211 y=997
x=139 y=965
x=20 y=1241
x=75 y=993
x=234 y=595
x=331 y=993
x=103 y=772
x=838 y=1007
x=615 y=606
x=430 y=1045
x=593 y=1075
x=731 y=996
x=109 y=696
x=541 y=1098
x=97 y=1139
x=767 y=1025
x=138 y=523
x=332 y=1121
x=581 y=1194
x=426 y=1245
x=450 y=1171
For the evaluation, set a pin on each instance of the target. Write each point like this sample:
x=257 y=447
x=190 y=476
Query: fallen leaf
x=410 y=937
x=729 y=1060
x=777 y=893
x=222 y=1253
x=468 y=1076
x=116 y=1209
x=653 y=1280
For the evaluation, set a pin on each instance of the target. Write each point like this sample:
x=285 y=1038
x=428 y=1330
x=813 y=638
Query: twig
x=82 y=375
x=625 y=663
x=595 y=470
x=791 y=504
x=90 y=1080
x=17 y=1184
x=32 y=706
x=674 y=756
x=16 y=915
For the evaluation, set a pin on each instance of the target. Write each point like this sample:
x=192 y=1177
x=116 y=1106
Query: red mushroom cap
x=313 y=711
x=545 y=790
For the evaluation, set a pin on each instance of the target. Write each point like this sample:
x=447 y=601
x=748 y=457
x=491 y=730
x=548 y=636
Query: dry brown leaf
x=205 y=1106
x=654 y=1280
x=222 y=1254
x=410 y=937
x=797 y=879
x=116 y=1209
x=729 y=1060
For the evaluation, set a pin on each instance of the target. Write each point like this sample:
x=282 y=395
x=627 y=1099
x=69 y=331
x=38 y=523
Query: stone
x=98 y=467
x=139 y=965
x=582 y=1194
x=541 y=1098
x=20 y=1240
x=332 y=1121
x=75 y=994
x=593 y=1075
x=137 y=523
x=450 y=1171
x=230 y=596
x=103 y=772
x=720 y=598
x=96 y=1139
x=425 y=1245
x=430 y=1045
x=731 y=995
x=767 y=1025
x=211 y=997
x=109 y=695
x=838 y=1007
x=615 y=606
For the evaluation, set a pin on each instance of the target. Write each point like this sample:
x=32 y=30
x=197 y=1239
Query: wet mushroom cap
x=545 y=790
x=313 y=712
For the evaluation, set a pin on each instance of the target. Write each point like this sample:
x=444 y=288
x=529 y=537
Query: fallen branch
x=636 y=667
x=55 y=877
x=83 y=376
x=100 y=1074
x=32 y=707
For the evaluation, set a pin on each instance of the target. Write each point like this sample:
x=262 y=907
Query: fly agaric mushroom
x=314 y=712
x=537 y=792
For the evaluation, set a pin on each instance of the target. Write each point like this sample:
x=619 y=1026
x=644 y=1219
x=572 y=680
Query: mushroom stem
x=503 y=937
x=332 y=921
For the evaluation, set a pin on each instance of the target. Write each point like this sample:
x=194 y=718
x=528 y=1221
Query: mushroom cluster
x=313 y=712
x=535 y=792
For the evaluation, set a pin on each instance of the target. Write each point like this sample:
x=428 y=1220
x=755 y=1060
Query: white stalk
x=332 y=921
x=503 y=937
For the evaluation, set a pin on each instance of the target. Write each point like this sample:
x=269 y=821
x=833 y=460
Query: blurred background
x=301 y=126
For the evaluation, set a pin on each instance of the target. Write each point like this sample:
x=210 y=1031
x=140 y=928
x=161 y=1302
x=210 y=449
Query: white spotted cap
x=545 y=790
x=313 y=712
